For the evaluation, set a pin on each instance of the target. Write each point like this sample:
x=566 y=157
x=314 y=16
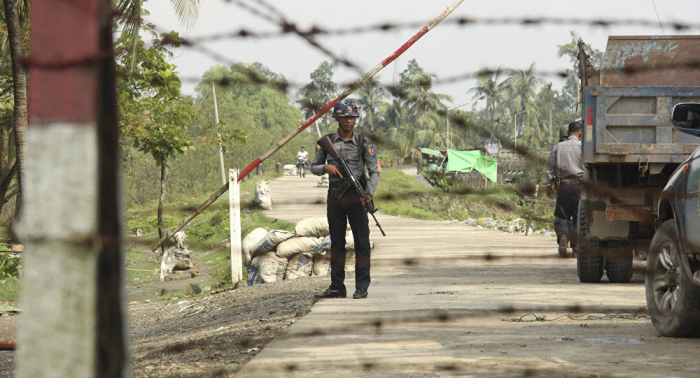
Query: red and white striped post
x=73 y=323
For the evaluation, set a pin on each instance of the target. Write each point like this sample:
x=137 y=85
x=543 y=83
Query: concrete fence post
x=73 y=321
x=235 y=225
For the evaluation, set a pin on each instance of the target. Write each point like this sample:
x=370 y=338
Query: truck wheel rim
x=665 y=279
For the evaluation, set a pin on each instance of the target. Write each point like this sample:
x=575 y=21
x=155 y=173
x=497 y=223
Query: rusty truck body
x=629 y=147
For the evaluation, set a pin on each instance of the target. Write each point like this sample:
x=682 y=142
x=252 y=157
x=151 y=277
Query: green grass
x=399 y=194
x=209 y=232
x=9 y=290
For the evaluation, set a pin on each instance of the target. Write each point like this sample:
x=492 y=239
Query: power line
x=657 y=16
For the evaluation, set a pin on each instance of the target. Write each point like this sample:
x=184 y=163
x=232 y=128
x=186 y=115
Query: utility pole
x=316 y=122
x=74 y=318
x=221 y=150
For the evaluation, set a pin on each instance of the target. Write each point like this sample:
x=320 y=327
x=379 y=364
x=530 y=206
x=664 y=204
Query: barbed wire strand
x=316 y=30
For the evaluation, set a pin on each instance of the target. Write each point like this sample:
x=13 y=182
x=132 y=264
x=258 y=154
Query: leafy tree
x=521 y=88
x=545 y=101
x=421 y=99
x=319 y=92
x=131 y=14
x=407 y=76
x=252 y=109
x=370 y=99
x=153 y=113
x=572 y=89
x=489 y=89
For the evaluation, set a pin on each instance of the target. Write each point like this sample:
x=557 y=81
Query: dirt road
x=444 y=301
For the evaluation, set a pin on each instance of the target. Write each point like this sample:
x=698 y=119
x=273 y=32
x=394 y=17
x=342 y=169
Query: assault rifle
x=328 y=146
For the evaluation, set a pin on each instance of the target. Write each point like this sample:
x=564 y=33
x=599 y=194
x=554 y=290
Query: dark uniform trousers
x=348 y=208
x=566 y=210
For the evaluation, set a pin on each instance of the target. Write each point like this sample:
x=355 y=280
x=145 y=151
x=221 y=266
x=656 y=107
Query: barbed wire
x=316 y=30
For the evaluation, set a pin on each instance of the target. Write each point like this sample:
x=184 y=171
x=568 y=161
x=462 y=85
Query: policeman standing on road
x=344 y=204
x=565 y=169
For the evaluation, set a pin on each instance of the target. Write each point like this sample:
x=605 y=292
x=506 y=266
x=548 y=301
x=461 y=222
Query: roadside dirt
x=211 y=336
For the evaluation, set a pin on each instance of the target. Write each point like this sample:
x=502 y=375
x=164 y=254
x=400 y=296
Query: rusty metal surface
x=651 y=61
x=632 y=125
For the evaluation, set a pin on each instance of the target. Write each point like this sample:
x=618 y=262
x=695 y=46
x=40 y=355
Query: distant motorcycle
x=301 y=167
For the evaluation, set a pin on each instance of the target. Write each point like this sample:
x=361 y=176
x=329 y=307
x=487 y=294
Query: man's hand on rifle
x=332 y=170
x=366 y=201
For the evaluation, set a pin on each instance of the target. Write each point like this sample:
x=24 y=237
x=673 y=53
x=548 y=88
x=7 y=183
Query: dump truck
x=630 y=149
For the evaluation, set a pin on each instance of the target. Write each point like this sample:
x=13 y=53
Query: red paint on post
x=405 y=46
x=64 y=94
x=249 y=169
x=318 y=114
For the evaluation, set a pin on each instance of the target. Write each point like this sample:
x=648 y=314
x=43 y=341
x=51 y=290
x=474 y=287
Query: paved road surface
x=442 y=303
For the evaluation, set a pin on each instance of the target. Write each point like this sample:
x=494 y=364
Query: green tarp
x=430 y=152
x=467 y=161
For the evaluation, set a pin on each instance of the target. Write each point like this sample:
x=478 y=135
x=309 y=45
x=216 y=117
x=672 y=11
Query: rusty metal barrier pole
x=313 y=119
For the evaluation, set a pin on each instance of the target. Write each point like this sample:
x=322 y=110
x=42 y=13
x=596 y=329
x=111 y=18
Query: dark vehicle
x=673 y=264
x=629 y=147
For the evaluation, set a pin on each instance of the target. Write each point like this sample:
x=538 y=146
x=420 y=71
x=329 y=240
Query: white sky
x=447 y=50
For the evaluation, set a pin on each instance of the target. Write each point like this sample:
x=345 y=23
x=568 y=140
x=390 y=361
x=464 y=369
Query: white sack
x=300 y=265
x=272 y=268
x=294 y=246
x=250 y=242
x=313 y=227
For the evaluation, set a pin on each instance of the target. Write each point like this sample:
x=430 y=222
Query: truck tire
x=672 y=298
x=619 y=262
x=589 y=260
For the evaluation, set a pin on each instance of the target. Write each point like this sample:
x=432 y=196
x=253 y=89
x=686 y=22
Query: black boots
x=360 y=294
x=330 y=293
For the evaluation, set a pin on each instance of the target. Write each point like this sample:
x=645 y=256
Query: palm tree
x=546 y=104
x=131 y=14
x=490 y=90
x=370 y=99
x=17 y=13
x=420 y=99
x=393 y=114
x=432 y=131
x=521 y=86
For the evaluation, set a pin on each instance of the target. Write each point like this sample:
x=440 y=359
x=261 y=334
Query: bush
x=9 y=266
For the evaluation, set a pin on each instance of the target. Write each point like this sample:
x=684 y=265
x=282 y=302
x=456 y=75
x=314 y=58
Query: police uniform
x=565 y=168
x=344 y=206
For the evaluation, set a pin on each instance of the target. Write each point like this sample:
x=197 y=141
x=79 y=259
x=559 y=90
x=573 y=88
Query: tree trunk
x=5 y=184
x=161 y=229
x=19 y=121
x=6 y=173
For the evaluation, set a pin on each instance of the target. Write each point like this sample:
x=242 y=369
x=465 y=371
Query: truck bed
x=632 y=125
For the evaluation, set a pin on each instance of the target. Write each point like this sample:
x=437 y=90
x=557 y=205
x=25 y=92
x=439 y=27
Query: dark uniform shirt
x=348 y=149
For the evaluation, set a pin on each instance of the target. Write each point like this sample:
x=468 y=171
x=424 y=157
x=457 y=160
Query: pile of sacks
x=276 y=255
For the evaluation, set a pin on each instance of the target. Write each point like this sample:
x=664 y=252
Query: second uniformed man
x=344 y=204
x=564 y=168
